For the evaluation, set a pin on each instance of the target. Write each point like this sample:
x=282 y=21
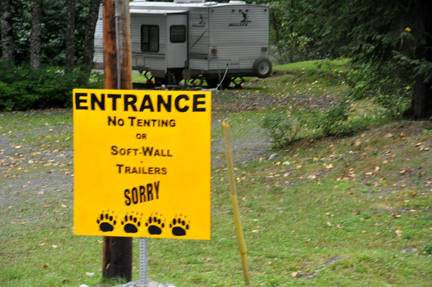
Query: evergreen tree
x=35 y=37
x=6 y=31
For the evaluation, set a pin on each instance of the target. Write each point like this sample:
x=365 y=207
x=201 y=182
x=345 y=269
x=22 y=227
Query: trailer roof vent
x=237 y=2
x=189 y=1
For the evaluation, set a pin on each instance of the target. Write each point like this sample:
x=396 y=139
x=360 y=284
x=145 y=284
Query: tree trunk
x=6 y=32
x=276 y=26
x=70 y=36
x=92 y=18
x=291 y=53
x=35 y=36
x=422 y=101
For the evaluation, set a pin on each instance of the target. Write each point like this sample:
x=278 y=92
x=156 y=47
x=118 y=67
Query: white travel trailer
x=188 y=39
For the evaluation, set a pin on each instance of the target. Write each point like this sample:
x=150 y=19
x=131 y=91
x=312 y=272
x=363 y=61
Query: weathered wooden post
x=117 y=251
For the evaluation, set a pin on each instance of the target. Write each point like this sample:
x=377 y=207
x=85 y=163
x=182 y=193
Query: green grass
x=315 y=66
x=326 y=211
x=139 y=78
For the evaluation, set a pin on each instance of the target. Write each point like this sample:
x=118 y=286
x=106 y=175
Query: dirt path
x=27 y=168
x=29 y=171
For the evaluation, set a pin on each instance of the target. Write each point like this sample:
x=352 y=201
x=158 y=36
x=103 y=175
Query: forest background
x=47 y=49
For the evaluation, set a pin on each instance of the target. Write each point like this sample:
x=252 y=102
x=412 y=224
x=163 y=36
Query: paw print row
x=132 y=224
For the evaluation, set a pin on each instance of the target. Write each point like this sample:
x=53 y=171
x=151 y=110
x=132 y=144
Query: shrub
x=281 y=128
x=332 y=121
x=22 y=88
x=388 y=85
x=385 y=85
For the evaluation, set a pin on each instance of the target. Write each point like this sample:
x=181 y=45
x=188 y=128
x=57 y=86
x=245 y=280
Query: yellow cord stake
x=232 y=185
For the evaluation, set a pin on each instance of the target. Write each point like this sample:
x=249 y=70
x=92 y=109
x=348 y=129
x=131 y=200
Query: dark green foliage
x=385 y=84
x=288 y=34
x=53 y=30
x=427 y=250
x=332 y=121
x=21 y=88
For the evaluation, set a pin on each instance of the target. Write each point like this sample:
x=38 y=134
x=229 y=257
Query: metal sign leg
x=143 y=261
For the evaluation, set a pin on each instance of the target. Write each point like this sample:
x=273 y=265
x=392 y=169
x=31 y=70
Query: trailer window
x=178 y=34
x=149 y=38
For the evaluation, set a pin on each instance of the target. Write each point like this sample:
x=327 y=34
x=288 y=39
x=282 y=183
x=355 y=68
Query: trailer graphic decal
x=243 y=22
x=201 y=23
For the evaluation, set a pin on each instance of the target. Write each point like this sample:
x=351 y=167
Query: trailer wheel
x=262 y=68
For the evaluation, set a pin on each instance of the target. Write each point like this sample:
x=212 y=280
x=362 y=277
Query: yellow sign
x=142 y=163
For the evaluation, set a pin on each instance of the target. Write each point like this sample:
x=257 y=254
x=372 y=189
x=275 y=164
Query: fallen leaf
x=377 y=168
x=328 y=166
x=399 y=232
x=403 y=171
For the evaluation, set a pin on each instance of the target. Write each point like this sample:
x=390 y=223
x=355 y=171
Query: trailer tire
x=262 y=67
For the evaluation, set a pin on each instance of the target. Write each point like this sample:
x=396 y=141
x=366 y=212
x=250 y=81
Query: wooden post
x=117 y=251
x=233 y=189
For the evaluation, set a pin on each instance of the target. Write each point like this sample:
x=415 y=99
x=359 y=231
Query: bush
x=332 y=121
x=281 y=128
x=22 y=88
x=386 y=86
x=389 y=85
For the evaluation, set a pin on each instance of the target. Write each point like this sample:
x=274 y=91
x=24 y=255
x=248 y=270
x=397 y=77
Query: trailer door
x=177 y=41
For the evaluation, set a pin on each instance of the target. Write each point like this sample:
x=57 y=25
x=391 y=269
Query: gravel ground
x=36 y=170
x=25 y=166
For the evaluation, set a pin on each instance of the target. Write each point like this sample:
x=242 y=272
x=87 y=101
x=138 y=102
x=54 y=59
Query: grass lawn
x=323 y=211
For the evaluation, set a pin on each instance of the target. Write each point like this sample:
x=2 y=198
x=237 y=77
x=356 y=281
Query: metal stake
x=143 y=261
